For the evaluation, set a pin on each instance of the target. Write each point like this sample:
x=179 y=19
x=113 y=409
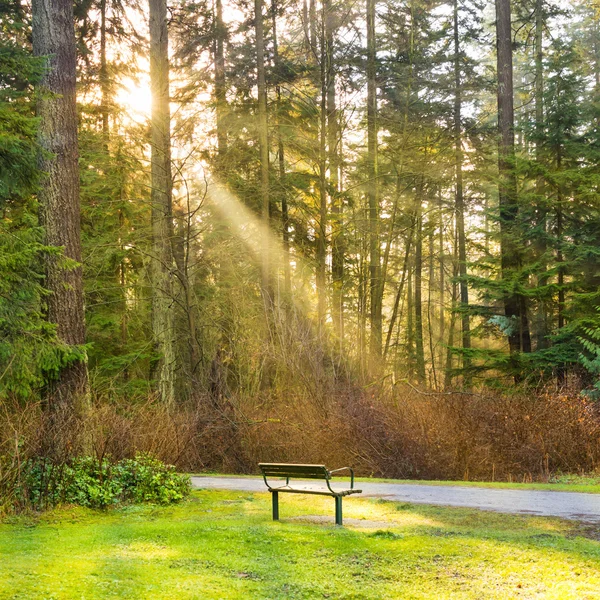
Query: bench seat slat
x=293 y=470
x=293 y=467
x=317 y=491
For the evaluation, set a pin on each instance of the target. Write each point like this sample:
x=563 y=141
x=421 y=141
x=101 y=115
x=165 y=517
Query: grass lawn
x=565 y=483
x=224 y=545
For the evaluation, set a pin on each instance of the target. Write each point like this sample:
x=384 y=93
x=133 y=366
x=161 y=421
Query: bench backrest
x=296 y=471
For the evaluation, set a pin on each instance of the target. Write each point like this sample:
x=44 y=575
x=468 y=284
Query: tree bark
x=400 y=290
x=419 y=352
x=263 y=143
x=337 y=230
x=460 y=201
x=449 y=353
x=442 y=277
x=376 y=291
x=514 y=306
x=161 y=200
x=220 y=82
x=542 y=329
x=54 y=38
x=410 y=325
x=103 y=76
x=312 y=14
x=285 y=217
x=322 y=222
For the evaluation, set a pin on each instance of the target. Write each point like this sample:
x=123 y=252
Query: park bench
x=289 y=471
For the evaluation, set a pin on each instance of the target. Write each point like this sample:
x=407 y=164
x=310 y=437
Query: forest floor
x=223 y=544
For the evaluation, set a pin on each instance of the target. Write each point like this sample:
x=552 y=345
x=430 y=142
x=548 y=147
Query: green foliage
x=28 y=347
x=99 y=483
x=590 y=355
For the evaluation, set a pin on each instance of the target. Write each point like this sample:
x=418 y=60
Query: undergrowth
x=393 y=432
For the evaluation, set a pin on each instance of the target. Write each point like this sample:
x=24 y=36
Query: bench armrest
x=287 y=480
x=345 y=469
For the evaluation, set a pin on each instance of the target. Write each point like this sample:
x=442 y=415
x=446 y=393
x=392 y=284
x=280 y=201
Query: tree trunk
x=312 y=14
x=561 y=371
x=54 y=38
x=285 y=218
x=449 y=351
x=399 y=292
x=263 y=143
x=376 y=291
x=103 y=76
x=442 y=281
x=161 y=200
x=410 y=326
x=419 y=352
x=430 y=289
x=337 y=231
x=519 y=338
x=220 y=82
x=542 y=329
x=460 y=203
x=322 y=222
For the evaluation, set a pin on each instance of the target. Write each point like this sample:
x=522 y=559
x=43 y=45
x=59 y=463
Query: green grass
x=224 y=545
x=564 y=483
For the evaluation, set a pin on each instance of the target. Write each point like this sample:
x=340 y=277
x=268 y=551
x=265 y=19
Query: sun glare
x=135 y=98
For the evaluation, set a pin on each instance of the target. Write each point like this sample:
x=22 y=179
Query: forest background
x=336 y=231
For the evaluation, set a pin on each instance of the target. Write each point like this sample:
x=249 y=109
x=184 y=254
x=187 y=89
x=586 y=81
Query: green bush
x=95 y=483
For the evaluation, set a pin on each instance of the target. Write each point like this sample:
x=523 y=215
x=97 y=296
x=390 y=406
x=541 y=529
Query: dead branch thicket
x=390 y=433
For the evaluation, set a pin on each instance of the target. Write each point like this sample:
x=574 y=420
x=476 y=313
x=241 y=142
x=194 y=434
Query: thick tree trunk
x=54 y=37
x=161 y=199
x=514 y=306
x=376 y=291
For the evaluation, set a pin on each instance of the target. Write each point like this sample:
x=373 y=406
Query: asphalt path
x=566 y=505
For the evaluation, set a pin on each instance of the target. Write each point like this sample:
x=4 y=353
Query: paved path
x=567 y=505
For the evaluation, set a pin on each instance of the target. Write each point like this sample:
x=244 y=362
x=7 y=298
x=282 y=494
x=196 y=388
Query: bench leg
x=338 y=510
x=275 y=498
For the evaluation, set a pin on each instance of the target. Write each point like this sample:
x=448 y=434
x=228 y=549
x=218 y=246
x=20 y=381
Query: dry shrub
x=407 y=434
x=392 y=433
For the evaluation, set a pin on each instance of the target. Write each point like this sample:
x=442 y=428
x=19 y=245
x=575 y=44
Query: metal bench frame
x=300 y=471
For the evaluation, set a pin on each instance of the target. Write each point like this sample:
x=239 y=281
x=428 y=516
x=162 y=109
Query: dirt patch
x=361 y=523
x=587 y=530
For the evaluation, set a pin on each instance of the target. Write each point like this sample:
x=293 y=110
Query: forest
x=300 y=230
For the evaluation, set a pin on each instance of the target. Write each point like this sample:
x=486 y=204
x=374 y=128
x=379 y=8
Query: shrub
x=99 y=483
